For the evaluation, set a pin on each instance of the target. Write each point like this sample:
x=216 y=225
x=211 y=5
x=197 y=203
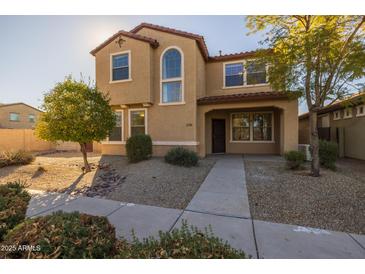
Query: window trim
x=182 y=78
x=121 y=128
x=358 y=114
x=251 y=113
x=345 y=116
x=145 y=120
x=129 y=67
x=244 y=62
x=17 y=113
x=339 y=115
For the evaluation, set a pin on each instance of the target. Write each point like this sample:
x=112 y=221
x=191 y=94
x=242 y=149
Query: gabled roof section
x=152 y=42
x=19 y=103
x=353 y=100
x=198 y=38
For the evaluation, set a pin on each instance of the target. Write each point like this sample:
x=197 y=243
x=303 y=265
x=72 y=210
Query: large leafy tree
x=320 y=57
x=77 y=112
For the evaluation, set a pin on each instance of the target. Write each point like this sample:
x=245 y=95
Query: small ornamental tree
x=77 y=112
x=319 y=57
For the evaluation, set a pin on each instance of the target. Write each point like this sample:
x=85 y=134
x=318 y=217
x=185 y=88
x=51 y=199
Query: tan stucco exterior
x=23 y=110
x=349 y=133
x=185 y=124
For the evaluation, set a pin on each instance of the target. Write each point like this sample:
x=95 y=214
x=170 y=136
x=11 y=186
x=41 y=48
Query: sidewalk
x=221 y=203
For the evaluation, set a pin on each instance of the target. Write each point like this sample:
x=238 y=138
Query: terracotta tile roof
x=153 y=42
x=354 y=99
x=234 y=56
x=251 y=96
x=198 y=38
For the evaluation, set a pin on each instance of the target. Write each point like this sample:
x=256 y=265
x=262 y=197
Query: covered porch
x=248 y=126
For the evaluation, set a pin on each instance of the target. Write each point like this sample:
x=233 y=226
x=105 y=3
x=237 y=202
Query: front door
x=218 y=136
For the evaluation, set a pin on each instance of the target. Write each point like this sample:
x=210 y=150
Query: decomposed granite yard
x=334 y=201
x=150 y=182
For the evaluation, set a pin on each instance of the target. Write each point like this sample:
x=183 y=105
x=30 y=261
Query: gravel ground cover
x=150 y=182
x=334 y=201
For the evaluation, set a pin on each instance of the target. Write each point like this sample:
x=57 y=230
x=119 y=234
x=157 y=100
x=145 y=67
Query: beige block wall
x=22 y=139
x=23 y=111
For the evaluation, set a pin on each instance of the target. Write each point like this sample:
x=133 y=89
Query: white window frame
x=122 y=130
x=339 y=115
x=18 y=115
x=251 y=114
x=244 y=62
x=129 y=67
x=358 y=114
x=129 y=120
x=172 y=79
x=345 y=116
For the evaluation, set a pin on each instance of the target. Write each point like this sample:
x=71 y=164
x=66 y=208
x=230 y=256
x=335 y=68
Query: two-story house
x=164 y=83
x=18 y=115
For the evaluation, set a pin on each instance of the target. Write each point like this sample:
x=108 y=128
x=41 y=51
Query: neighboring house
x=342 y=122
x=18 y=115
x=163 y=82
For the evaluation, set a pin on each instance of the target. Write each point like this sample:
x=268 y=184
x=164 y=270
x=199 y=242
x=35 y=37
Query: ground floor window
x=251 y=126
x=116 y=134
x=137 y=122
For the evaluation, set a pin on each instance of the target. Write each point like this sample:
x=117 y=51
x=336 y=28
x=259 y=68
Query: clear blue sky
x=38 y=51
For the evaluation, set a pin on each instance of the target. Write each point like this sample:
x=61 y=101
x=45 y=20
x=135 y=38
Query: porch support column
x=290 y=128
x=201 y=132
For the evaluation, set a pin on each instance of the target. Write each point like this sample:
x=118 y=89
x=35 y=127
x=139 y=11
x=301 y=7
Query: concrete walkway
x=222 y=203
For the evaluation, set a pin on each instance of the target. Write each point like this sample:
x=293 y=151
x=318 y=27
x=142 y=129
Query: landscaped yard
x=150 y=182
x=334 y=201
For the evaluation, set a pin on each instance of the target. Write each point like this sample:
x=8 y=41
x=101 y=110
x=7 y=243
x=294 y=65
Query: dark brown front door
x=219 y=136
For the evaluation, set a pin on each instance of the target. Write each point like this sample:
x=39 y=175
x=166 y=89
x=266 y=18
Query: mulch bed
x=334 y=201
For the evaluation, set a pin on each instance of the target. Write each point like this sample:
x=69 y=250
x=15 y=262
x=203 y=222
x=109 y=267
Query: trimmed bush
x=183 y=243
x=8 y=158
x=13 y=206
x=139 y=148
x=63 y=235
x=328 y=152
x=181 y=157
x=294 y=159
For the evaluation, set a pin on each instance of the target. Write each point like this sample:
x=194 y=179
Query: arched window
x=171 y=76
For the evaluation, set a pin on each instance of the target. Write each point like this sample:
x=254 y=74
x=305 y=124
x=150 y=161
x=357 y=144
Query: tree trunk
x=314 y=142
x=84 y=155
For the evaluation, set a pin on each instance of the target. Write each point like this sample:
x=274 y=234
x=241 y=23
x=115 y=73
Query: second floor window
x=14 y=117
x=243 y=73
x=120 y=67
x=171 y=75
x=31 y=118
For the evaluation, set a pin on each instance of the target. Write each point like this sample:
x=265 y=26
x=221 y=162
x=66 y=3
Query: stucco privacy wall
x=304 y=131
x=22 y=139
x=288 y=121
x=25 y=139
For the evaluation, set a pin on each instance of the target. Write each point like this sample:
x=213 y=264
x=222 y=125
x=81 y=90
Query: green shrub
x=183 y=243
x=13 y=206
x=139 y=148
x=63 y=235
x=181 y=157
x=20 y=157
x=294 y=159
x=328 y=152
